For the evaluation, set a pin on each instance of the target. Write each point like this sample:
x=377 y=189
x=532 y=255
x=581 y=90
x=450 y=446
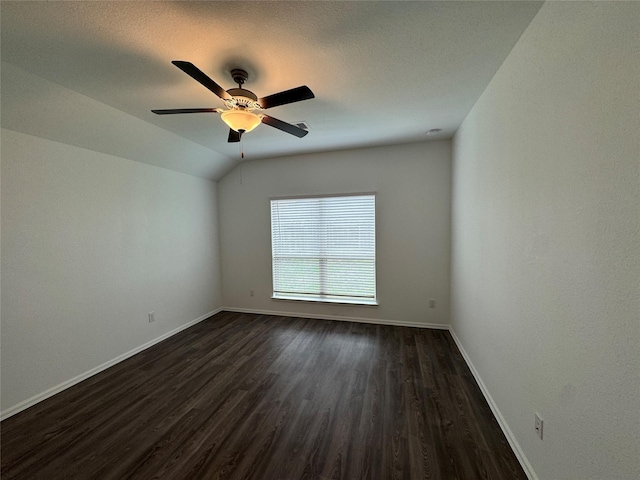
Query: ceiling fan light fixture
x=240 y=119
x=241 y=103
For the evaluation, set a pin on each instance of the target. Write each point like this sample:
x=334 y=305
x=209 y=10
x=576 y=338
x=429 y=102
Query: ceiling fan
x=243 y=106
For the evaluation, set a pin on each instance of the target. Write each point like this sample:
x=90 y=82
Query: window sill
x=359 y=302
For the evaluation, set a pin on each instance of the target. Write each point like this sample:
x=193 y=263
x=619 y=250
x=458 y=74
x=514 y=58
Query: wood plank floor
x=242 y=396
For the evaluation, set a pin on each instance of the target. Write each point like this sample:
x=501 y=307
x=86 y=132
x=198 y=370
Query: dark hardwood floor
x=265 y=397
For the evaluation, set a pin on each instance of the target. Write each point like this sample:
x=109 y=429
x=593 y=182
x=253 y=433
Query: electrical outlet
x=152 y=317
x=251 y=293
x=432 y=303
x=538 y=425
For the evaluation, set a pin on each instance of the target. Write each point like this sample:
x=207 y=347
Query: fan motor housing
x=241 y=92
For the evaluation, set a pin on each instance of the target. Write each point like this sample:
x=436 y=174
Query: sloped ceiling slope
x=383 y=73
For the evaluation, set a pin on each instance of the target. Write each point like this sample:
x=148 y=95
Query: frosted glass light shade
x=240 y=120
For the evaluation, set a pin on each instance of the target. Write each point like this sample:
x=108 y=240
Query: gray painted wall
x=545 y=252
x=90 y=244
x=412 y=183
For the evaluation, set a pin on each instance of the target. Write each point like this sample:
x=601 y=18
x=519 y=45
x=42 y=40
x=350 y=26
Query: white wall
x=90 y=244
x=412 y=221
x=545 y=252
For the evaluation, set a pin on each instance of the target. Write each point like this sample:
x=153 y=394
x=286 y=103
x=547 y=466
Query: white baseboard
x=515 y=446
x=376 y=321
x=89 y=373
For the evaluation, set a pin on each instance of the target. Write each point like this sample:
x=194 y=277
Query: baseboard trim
x=89 y=373
x=515 y=446
x=376 y=321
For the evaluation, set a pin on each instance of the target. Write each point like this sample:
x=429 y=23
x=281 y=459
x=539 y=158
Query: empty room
x=320 y=240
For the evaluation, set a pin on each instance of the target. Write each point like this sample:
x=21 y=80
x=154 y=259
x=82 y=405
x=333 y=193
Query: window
x=323 y=249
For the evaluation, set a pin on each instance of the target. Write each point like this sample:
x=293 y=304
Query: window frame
x=322 y=298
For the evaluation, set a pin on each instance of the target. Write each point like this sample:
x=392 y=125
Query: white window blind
x=323 y=249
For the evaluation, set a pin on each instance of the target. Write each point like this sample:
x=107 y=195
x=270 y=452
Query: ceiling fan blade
x=284 y=126
x=173 y=111
x=234 y=136
x=198 y=75
x=288 y=96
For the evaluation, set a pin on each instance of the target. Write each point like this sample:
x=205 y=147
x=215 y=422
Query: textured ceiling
x=382 y=72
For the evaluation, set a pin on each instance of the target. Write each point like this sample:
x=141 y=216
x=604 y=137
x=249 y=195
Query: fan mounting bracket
x=239 y=76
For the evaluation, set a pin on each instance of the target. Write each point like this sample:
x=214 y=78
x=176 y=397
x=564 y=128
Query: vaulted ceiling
x=383 y=73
